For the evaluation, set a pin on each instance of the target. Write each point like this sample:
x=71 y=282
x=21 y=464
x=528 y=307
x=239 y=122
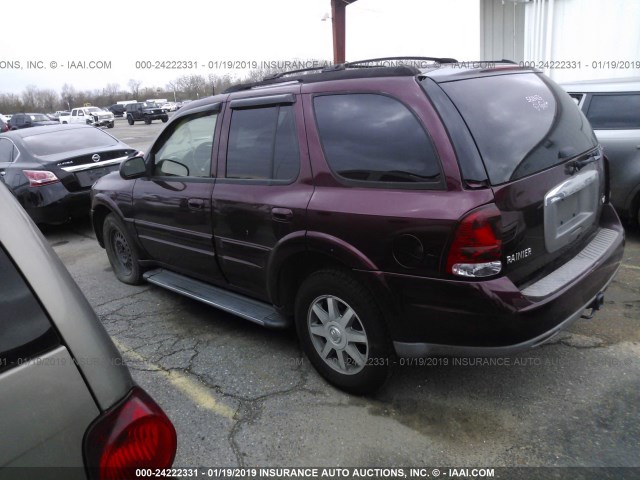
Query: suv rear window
x=374 y=138
x=522 y=123
x=614 y=111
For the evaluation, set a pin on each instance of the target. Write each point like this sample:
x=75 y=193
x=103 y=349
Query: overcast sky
x=123 y=32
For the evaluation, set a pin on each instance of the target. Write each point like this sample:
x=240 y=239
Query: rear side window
x=375 y=139
x=522 y=123
x=25 y=330
x=6 y=150
x=614 y=111
x=263 y=144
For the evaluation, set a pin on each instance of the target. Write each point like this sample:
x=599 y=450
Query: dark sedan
x=50 y=169
x=29 y=120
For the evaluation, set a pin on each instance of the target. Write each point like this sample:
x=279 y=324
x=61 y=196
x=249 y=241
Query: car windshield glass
x=94 y=109
x=522 y=123
x=38 y=117
x=59 y=141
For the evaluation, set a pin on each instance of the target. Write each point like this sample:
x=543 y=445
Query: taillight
x=477 y=247
x=135 y=434
x=38 y=178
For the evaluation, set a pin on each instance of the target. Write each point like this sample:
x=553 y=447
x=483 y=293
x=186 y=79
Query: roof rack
x=340 y=71
x=388 y=59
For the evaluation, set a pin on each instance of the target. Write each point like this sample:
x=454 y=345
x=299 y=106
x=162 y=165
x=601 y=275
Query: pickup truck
x=91 y=116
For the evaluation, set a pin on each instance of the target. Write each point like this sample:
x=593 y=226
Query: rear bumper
x=494 y=317
x=54 y=204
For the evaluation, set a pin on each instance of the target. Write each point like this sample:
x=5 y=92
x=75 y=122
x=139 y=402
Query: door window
x=188 y=147
x=263 y=144
x=614 y=111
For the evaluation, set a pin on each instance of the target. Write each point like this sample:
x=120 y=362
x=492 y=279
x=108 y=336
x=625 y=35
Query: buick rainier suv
x=386 y=211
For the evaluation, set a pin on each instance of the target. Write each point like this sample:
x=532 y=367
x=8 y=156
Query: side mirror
x=133 y=168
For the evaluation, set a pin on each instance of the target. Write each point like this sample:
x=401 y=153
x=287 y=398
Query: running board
x=247 y=308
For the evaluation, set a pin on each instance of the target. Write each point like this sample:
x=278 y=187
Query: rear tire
x=111 y=125
x=342 y=331
x=121 y=250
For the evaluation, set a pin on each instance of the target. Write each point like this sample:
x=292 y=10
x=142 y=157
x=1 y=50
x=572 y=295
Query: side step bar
x=247 y=308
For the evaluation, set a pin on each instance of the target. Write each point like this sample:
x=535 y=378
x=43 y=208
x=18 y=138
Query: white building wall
x=587 y=32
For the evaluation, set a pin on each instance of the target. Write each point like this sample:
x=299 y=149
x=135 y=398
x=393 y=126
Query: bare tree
x=10 y=103
x=68 y=95
x=29 y=97
x=47 y=100
x=111 y=92
x=134 y=86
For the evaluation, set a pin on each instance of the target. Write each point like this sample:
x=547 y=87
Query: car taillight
x=38 y=178
x=476 y=248
x=135 y=434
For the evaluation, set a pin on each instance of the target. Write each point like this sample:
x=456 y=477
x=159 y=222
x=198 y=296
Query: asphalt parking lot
x=243 y=396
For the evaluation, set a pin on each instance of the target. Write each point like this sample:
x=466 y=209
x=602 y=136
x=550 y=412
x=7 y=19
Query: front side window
x=375 y=139
x=613 y=111
x=263 y=144
x=188 y=148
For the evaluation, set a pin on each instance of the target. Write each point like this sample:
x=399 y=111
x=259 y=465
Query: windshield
x=59 y=141
x=94 y=109
x=522 y=123
x=38 y=117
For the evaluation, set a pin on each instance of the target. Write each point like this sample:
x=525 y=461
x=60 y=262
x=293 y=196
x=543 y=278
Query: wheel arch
x=102 y=206
x=300 y=254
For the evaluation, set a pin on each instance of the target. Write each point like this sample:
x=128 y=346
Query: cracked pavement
x=240 y=395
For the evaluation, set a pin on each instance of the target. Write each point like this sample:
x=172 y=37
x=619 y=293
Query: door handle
x=281 y=214
x=195 y=203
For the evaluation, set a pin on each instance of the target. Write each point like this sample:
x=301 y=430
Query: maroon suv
x=384 y=211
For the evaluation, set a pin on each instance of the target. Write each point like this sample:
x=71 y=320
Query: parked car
x=5 y=118
x=170 y=106
x=117 y=109
x=50 y=170
x=4 y=126
x=147 y=112
x=613 y=108
x=27 y=120
x=383 y=211
x=67 y=396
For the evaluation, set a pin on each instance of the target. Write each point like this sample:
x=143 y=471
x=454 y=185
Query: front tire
x=121 y=250
x=130 y=120
x=342 y=331
x=165 y=119
x=147 y=121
